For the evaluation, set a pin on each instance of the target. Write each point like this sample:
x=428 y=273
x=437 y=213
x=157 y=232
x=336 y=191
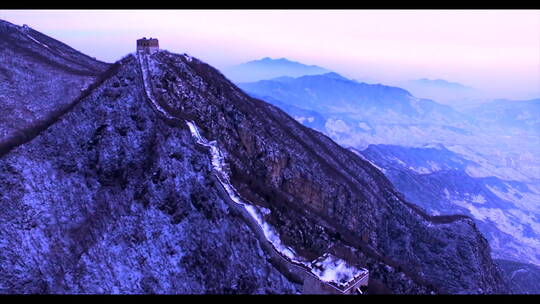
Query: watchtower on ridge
x=147 y=46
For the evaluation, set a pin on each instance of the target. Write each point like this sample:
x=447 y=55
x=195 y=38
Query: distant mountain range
x=333 y=93
x=440 y=83
x=441 y=90
x=357 y=113
x=268 y=68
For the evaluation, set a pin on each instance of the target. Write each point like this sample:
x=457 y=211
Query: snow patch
x=364 y=126
x=334 y=270
x=337 y=126
x=479 y=199
x=446 y=193
x=301 y=119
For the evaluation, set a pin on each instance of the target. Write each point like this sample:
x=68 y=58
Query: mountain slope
x=114 y=199
x=308 y=118
x=117 y=196
x=516 y=114
x=436 y=179
x=267 y=68
x=39 y=76
x=522 y=278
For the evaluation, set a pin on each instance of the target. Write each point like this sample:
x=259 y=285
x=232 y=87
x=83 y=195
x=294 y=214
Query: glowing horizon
x=497 y=51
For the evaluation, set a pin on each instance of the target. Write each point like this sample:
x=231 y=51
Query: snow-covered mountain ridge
x=118 y=196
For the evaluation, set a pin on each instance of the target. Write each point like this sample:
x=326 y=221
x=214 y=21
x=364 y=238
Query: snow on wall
x=42 y=44
x=218 y=163
x=24 y=29
x=143 y=63
x=328 y=269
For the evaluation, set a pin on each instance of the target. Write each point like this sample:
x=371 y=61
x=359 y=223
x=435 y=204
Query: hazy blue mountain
x=436 y=179
x=440 y=90
x=487 y=187
x=359 y=113
x=333 y=93
x=268 y=68
x=493 y=178
x=330 y=93
x=440 y=83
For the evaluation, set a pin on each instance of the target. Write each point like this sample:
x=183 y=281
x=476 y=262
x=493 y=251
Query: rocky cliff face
x=116 y=197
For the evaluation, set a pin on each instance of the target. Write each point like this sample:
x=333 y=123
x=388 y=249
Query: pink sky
x=493 y=50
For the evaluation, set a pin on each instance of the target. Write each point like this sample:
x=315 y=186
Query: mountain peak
x=281 y=60
x=268 y=68
x=440 y=83
x=335 y=75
